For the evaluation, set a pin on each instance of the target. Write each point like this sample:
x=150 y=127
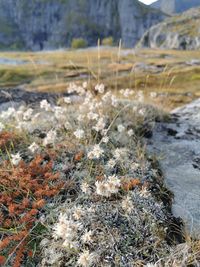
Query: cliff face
x=47 y=24
x=178 y=32
x=175 y=6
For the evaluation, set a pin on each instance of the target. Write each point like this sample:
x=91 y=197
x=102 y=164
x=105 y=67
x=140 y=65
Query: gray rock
x=178 y=32
x=177 y=145
x=49 y=24
x=175 y=6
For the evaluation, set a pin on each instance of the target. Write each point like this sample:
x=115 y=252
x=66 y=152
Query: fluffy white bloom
x=5 y=115
x=114 y=101
x=81 y=117
x=111 y=163
x=134 y=166
x=85 y=188
x=15 y=159
x=108 y=187
x=100 y=88
x=92 y=116
x=2 y=127
x=44 y=104
x=120 y=153
x=87 y=237
x=144 y=192
x=79 y=133
x=153 y=94
x=33 y=147
x=96 y=152
x=85 y=84
x=86 y=259
x=50 y=138
x=100 y=125
x=121 y=128
x=67 y=229
x=140 y=96
x=107 y=97
x=60 y=113
x=78 y=213
x=141 y=112
x=113 y=184
x=28 y=114
x=67 y=100
x=127 y=204
x=105 y=139
x=130 y=132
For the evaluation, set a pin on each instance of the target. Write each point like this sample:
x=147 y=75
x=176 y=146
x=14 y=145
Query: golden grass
x=177 y=82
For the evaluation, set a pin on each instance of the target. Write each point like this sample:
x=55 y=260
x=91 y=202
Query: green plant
x=78 y=43
x=108 y=41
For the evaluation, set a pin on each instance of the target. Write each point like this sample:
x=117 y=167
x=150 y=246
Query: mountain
x=49 y=24
x=175 y=6
x=178 y=32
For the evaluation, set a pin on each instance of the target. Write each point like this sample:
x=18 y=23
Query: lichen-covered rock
x=47 y=24
x=178 y=32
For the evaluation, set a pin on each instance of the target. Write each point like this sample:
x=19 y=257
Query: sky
x=147 y=1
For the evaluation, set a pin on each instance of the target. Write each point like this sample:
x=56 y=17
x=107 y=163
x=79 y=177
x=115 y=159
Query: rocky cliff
x=178 y=32
x=175 y=6
x=48 y=24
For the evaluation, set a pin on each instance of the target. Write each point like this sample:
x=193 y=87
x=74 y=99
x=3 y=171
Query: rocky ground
x=177 y=144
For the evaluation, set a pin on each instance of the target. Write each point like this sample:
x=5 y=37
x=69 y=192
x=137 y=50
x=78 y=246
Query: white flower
x=85 y=84
x=78 y=213
x=135 y=166
x=67 y=229
x=144 y=192
x=130 y=132
x=79 y=133
x=33 y=147
x=107 y=97
x=59 y=113
x=105 y=139
x=45 y=105
x=50 y=138
x=127 y=205
x=87 y=237
x=153 y=94
x=15 y=159
x=101 y=189
x=85 y=187
x=100 y=125
x=120 y=153
x=108 y=187
x=100 y=88
x=113 y=184
x=92 y=116
x=96 y=153
x=141 y=112
x=28 y=114
x=121 y=128
x=2 y=127
x=67 y=100
x=111 y=163
x=86 y=259
x=5 y=115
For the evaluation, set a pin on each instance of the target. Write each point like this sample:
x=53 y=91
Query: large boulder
x=178 y=32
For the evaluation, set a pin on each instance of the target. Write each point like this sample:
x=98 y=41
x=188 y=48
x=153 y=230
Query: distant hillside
x=48 y=24
x=175 y=6
x=178 y=32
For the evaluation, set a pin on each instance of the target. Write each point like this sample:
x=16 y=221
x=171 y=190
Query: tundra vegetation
x=77 y=185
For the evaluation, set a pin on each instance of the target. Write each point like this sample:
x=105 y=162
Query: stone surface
x=178 y=32
x=175 y=6
x=49 y=24
x=177 y=146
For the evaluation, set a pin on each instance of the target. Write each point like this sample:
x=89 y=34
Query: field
x=173 y=75
x=78 y=187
